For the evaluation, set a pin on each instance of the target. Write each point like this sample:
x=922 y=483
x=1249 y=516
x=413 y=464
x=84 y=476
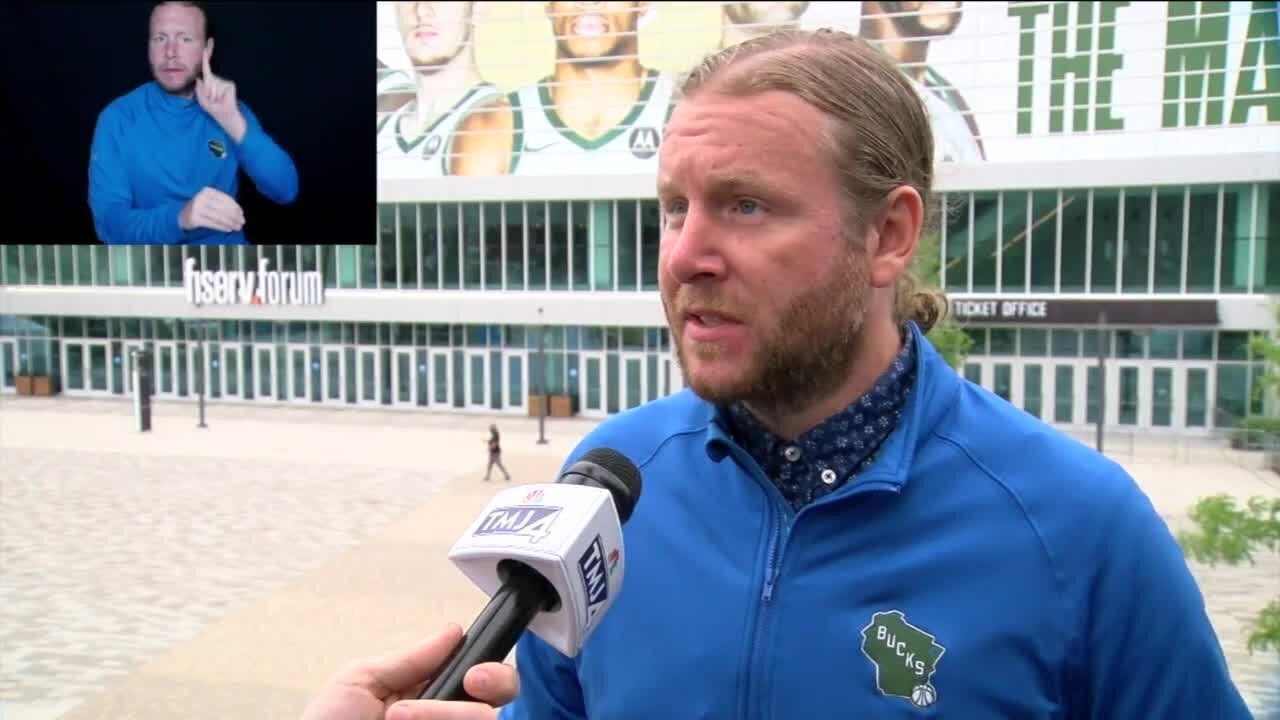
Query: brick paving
x=197 y=573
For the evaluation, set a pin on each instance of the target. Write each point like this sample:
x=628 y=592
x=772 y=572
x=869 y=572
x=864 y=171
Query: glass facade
x=1135 y=240
x=1171 y=240
x=1123 y=241
x=476 y=367
x=1182 y=379
x=598 y=245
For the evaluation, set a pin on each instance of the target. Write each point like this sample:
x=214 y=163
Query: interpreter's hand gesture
x=216 y=95
x=218 y=98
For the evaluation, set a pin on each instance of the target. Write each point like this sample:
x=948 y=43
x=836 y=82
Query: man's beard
x=187 y=87
x=805 y=354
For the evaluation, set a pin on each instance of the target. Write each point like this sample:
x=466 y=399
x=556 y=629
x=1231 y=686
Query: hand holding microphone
x=383 y=688
x=550 y=557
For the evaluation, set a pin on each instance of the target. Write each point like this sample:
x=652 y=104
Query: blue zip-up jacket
x=152 y=152
x=985 y=566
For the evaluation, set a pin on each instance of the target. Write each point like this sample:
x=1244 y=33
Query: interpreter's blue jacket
x=984 y=567
x=152 y=152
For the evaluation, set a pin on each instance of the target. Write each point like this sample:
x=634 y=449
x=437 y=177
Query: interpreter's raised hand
x=215 y=94
x=385 y=688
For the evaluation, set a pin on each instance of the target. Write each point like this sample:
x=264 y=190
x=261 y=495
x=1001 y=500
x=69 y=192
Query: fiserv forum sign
x=264 y=287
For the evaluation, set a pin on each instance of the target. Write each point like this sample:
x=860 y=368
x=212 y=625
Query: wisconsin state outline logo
x=905 y=657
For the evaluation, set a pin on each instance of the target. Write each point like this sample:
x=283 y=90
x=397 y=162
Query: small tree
x=1231 y=534
x=1266 y=348
x=947 y=335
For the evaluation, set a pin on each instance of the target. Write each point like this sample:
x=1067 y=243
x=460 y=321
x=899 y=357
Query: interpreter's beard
x=806 y=353
x=183 y=88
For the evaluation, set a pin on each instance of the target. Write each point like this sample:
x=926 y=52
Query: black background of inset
x=302 y=67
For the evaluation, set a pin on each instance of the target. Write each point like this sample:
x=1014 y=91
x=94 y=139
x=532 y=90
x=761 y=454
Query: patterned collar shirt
x=830 y=455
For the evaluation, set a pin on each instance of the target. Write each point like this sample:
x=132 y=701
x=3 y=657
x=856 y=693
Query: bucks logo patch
x=904 y=656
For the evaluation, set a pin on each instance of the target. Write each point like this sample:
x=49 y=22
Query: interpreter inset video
x=189 y=123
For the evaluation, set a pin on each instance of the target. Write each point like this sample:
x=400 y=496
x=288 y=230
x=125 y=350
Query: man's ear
x=894 y=235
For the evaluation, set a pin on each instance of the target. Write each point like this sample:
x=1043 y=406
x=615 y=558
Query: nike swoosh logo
x=540 y=148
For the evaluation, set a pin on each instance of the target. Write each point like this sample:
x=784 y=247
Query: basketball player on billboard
x=744 y=20
x=904 y=31
x=443 y=85
x=599 y=111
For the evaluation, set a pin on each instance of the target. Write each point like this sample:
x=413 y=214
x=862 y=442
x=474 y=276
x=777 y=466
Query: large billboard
x=558 y=88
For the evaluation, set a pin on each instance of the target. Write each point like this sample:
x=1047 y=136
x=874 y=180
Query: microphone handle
x=523 y=594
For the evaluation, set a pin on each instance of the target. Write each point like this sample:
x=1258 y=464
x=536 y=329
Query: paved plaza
x=225 y=572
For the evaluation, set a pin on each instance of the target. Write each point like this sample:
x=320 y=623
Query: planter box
x=563 y=406
x=41 y=385
x=558 y=406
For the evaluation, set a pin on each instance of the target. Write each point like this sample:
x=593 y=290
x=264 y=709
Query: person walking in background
x=495 y=454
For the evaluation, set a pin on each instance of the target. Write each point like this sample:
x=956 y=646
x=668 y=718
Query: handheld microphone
x=550 y=557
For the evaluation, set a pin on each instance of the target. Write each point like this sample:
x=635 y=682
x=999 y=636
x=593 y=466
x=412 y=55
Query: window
x=1066 y=343
x=1106 y=227
x=1237 y=231
x=450 y=233
x=1163 y=344
x=1202 y=238
x=1075 y=233
x=580 y=222
x=1032 y=398
x=1034 y=342
x=1137 y=239
x=515 y=245
x=386 y=244
x=650 y=235
x=979 y=338
x=471 y=245
x=409 y=245
x=1233 y=345
x=493 y=246
x=1197 y=344
x=628 y=269
x=1064 y=394
x=1003 y=341
x=1168 y=255
x=957 y=240
x=537 y=257
x=1014 y=242
x=602 y=234
x=1044 y=235
x=1267 y=250
x=559 y=245
x=986 y=223
x=429 y=258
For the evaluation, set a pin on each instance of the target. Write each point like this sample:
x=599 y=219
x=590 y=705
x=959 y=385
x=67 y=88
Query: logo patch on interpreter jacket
x=905 y=657
x=218 y=149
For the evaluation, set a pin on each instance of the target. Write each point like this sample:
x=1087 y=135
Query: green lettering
x=1109 y=61
x=1026 y=12
x=1261 y=45
x=1063 y=64
x=1195 y=61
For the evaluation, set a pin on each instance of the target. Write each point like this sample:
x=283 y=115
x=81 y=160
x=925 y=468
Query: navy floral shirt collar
x=828 y=456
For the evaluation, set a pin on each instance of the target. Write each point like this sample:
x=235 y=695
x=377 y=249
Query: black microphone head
x=611 y=470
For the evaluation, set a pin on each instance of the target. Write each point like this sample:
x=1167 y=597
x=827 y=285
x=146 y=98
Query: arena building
x=1110 y=174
